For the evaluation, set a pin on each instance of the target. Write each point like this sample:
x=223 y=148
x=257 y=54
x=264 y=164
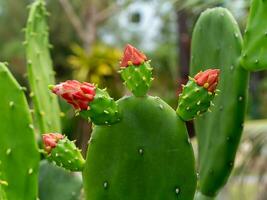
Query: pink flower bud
x=208 y=79
x=75 y=93
x=132 y=56
x=50 y=140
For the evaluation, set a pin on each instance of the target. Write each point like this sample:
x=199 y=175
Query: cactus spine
x=40 y=70
x=19 y=156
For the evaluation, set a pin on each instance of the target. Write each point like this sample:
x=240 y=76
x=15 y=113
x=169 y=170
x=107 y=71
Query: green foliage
x=217 y=42
x=57 y=184
x=40 y=70
x=147 y=155
x=100 y=63
x=19 y=156
x=255 y=39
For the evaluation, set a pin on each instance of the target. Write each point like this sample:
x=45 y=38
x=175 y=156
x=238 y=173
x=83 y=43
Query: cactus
x=219 y=132
x=63 y=152
x=58 y=184
x=40 y=70
x=255 y=38
x=19 y=157
x=146 y=152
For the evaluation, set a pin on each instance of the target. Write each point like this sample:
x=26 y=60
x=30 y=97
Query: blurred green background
x=88 y=37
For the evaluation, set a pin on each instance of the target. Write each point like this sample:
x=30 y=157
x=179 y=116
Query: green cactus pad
x=194 y=101
x=66 y=155
x=103 y=109
x=138 y=79
x=56 y=183
x=255 y=39
x=19 y=157
x=40 y=70
x=147 y=155
x=217 y=43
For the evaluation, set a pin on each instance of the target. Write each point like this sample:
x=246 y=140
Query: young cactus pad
x=19 y=157
x=198 y=94
x=89 y=101
x=217 y=42
x=136 y=71
x=146 y=154
x=63 y=152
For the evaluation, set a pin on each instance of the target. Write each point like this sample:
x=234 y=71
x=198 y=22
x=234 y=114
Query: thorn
x=184 y=97
x=30 y=171
x=11 y=104
x=2 y=182
x=8 y=151
x=106 y=112
x=31 y=126
x=190 y=78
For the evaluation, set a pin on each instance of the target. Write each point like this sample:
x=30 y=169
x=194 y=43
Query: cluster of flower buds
x=132 y=56
x=208 y=79
x=75 y=93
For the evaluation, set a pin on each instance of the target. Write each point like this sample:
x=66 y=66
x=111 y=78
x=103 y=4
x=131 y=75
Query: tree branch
x=109 y=11
x=74 y=19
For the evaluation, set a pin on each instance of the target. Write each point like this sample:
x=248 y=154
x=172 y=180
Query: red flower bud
x=132 y=56
x=75 y=93
x=50 y=140
x=208 y=79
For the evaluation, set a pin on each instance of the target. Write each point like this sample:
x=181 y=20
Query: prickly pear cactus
x=19 y=156
x=255 y=39
x=144 y=152
x=217 y=42
x=40 y=71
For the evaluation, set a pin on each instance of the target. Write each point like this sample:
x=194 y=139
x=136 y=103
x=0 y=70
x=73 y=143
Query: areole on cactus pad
x=135 y=137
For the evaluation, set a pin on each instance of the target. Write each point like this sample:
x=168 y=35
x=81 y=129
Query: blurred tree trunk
x=94 y=13
x=184 y=55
